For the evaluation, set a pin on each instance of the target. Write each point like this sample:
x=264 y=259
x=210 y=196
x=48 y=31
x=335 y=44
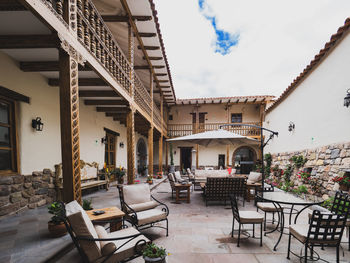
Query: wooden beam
x=106 y=102
x=111 y=109
x=163 y=80
x=158 y=66
x=163 y=87
x=130 y=131
x=98 y=93
x=11 y=5
x=142 y=67
x=145 y=34
x=13 y=95
x=69 y=116
x=82 y=82
x=44 y=66
x=28 y=41
x=116 y=18
x=114 y=114
x=161 y=75
x=153 y=58
x=149 y=47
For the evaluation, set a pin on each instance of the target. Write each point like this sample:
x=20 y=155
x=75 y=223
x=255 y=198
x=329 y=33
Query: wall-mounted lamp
x=347 y=99
x=121 y=145
x=37 y=124
x=291 y=126
x=174 y=152
x=104 y=140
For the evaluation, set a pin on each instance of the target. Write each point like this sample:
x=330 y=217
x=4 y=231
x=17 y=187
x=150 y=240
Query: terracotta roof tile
x=335 y=38
x=220 y=99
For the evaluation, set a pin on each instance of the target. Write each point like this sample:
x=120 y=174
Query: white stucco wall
x=315 y=107
x=39 y=150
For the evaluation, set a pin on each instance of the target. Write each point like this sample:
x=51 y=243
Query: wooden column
x=197 y=156
x=130 y=130
x=150 y=130
x=69 y=112
x=166 y=156
x=160 y=167
x=130 y=117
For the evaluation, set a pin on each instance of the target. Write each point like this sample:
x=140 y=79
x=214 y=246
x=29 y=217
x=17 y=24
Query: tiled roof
x=316 y=61
x=235 y=99
x=154 y=11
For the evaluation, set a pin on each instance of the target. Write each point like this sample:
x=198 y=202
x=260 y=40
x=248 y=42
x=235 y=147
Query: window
x=236 y=117
x=110 y=153
x=170 y=117
x=8 y=147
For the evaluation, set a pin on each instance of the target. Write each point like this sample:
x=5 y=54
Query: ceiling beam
x=114 y=114
x=142 y=67
x=44 y=66
x=82 y=82
x=11 y=5
x=149 y=47
x=28 y=41
x=161 y=74
x=153 y=58
x=145 y=34
x=158 y=67
x=106 y=102
x=163 y=87
x=163 y=80
x=98 y=93
x=111 y=109
x=116 y=18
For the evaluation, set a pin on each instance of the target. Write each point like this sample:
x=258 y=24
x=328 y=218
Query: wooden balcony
x=177 y=130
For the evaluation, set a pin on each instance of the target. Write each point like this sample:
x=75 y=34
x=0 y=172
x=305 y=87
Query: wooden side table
x=255 y=187
x=111 y=214
x=178 y=188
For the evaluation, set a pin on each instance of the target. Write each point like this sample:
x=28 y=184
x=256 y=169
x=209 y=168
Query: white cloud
x=277 y=40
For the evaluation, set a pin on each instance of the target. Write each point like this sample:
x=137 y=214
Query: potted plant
x=172 y=167
x=56 y=225
x=343 y=181
x=154 y=254
x=87 y=204
x=159 y=175
x=119 y=174
x=150 y=179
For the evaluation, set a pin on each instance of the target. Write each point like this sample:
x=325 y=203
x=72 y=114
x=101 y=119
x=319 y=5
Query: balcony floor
x=196 y=234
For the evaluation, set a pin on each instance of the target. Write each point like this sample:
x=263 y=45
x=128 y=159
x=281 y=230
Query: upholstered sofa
x=202 y=175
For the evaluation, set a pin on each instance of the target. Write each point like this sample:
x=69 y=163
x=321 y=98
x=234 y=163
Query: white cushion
x=250 y=217
x=72 y=208
x=254 y=177
x=149 y=216
x=125 y=250
x=136 y=193
x=178 y=177
x=144 y=206
x=268 y=207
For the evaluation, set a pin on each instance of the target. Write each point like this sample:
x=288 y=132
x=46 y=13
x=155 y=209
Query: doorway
x=221 y=162
x=142 y=157
x=244 y=160
x=185 y=157
x=110 y=155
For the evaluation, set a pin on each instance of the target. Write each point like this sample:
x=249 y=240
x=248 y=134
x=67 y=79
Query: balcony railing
x=157 y=116
x=141 y=96
x=177 y=130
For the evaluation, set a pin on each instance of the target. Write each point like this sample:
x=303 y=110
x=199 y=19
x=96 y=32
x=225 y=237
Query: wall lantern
x=37 y=124
x=104 y=140
x=121 y=145
x=347 y=99
x=291 y=126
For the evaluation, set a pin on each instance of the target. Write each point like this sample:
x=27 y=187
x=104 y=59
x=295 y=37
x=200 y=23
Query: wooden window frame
x=15 y=167
x=238 y=113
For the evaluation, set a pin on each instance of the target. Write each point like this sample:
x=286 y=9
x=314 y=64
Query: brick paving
x=196 y=234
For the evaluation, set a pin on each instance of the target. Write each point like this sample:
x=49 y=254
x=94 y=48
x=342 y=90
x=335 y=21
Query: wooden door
x=201 y=119
x=110 y=152
x=194 y=120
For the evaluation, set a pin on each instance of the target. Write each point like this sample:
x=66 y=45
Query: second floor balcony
x=177 y=130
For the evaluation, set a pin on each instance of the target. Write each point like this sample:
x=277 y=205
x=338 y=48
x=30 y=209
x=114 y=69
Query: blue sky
x=239 y=47
x=224 y=40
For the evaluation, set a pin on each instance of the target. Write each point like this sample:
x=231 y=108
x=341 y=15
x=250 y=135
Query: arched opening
x=244 y=159
x=141 y=158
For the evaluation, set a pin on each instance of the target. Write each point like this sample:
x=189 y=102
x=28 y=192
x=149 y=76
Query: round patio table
x=280 y=198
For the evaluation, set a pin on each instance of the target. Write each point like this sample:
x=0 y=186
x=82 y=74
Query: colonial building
x=191 y=116
x=80 y=80
x=311 y=116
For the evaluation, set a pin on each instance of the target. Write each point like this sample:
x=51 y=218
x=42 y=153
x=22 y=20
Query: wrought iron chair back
x=234 y=207
x=341 y=204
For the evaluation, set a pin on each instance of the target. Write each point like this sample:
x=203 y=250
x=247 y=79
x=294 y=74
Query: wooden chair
x=245 y=217
x=266 y=207
x=323 y=230
x=141 y=208
x=95 y=244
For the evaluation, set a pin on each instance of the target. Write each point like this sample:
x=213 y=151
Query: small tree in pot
x=154 y=254
x=56 y=225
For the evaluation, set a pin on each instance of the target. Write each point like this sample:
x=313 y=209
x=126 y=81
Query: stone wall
x=19 y=192
x=324 y=163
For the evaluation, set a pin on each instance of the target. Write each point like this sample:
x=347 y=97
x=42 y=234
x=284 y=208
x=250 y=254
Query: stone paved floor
x=196 y=234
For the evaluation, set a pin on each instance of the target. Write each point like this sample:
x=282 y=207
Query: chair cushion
x=124 y=251
x=254 y=177
x=80 y=228
x=268 y=207
x=136 y=194
x=178 y=177
x=149 y=216
x=144 y=206
x=250 y=217
x=299 y=231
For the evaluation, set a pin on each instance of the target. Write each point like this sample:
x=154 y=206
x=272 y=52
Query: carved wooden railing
x=156 y=116
x=141 y=96
x=176 y=130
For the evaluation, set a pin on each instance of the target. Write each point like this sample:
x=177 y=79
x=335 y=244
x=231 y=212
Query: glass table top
x=288 y=198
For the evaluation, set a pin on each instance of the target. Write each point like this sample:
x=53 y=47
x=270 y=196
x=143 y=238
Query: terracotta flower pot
x=57 y=230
